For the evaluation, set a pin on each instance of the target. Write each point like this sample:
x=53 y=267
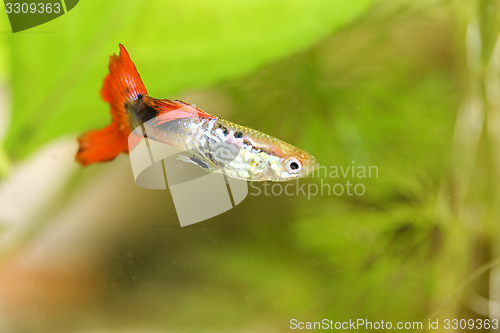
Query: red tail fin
x=122 y=84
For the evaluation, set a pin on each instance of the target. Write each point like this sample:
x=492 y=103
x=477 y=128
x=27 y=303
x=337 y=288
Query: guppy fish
x=208 y=141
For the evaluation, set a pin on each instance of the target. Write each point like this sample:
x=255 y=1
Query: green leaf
x=57 y=68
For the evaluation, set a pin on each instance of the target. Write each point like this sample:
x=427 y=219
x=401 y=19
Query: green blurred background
x=411 y=87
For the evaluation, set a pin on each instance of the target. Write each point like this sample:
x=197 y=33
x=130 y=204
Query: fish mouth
x=315 y=166
x=312 y=168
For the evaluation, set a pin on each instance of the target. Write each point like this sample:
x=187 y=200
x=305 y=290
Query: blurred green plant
x=57 y=69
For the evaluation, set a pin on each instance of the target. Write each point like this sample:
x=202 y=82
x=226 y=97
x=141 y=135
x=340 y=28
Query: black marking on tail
x=140 y=111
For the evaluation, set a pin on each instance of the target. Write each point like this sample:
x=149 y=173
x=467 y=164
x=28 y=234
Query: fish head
x=295 y=163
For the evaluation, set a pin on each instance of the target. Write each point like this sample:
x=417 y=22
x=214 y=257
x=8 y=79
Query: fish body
x=208 y=141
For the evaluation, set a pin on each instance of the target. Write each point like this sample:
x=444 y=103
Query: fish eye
x=293 y=165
